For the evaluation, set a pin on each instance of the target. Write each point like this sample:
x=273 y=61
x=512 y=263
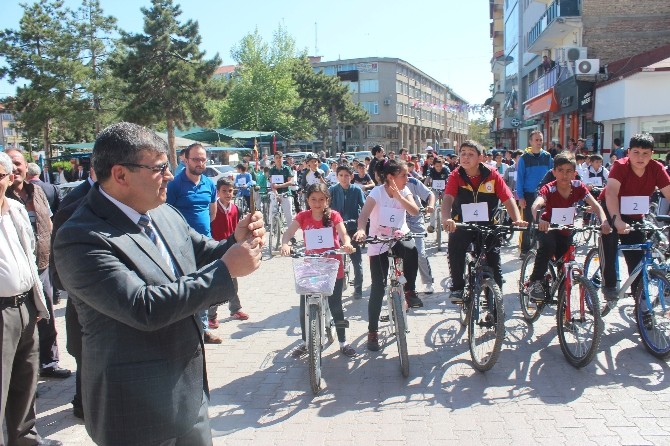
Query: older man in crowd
x=137 y=274
x=36 y=203
x=22 y=303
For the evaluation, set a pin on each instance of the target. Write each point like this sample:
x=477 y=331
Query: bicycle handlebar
x=405 y=237
x=297 y=253
x=489 y=228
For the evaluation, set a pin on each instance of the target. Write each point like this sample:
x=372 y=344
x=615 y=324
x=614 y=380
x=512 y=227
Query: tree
x=263 y=93
x=167 y=77
x=45 y=53
x=325 y=101
x=480 y=131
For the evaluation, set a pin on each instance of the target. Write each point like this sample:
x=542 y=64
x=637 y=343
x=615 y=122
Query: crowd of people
x=147 y=257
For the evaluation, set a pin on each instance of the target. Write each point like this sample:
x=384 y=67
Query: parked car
x=298 y=157
x=360 y=156
x=216 y=171
x=66 y=188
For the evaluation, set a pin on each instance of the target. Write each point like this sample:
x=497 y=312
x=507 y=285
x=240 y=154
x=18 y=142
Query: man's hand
x=251 y=226
x=522 y=203
x=449 y=225
x=621 y=226
x=543 y=225
x=605 y=228
x=429 y=209
x=285 y=249
x=359 y=236
x=520 y=224
x=243 y=258
x=348 y=248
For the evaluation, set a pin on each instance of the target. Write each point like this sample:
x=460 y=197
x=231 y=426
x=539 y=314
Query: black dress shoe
x=78 y=412
x=47 y=442
x=55 y=372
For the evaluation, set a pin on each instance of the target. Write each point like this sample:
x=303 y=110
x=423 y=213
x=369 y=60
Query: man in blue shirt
x=194 y=195
x=532 y=166
x=348 y=199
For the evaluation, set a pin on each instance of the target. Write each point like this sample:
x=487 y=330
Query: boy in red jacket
x=223 y=225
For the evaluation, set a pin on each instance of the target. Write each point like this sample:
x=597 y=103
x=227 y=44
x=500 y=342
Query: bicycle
x=315 y=276
x=652 y=295
x=482 y=307
x=396 y=305
x=276 y=221
x=501 y=217
x=437 y=212
x=578 y=320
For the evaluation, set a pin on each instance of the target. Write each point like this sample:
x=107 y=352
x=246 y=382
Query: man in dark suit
x=33 y=175
x=79 y=174
x=137 y=275
x=46 y=175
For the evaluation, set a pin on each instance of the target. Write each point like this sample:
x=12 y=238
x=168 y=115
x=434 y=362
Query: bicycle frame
x=640 y=268
x=395 y=279
x=326 y=319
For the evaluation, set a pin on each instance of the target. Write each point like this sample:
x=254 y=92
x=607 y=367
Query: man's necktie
x=145 y=224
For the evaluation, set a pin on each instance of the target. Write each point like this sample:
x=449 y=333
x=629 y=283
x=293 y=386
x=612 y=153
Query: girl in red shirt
x=320 y=216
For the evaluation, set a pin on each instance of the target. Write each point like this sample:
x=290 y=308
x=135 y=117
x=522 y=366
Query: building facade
x=553 y=53
x=10 y=136
x=407 y=107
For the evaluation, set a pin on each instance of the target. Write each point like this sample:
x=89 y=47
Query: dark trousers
x=379 y=266
x=527 y=216
x=48 y=336
x=200 y=434
x=18 y=376
x=336 y=311
x=357 y=264
x=552 y=243
x=456 y=249
x=73 y=335
x=608 y=251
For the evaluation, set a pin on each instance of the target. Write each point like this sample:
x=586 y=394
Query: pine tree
x=167 y=77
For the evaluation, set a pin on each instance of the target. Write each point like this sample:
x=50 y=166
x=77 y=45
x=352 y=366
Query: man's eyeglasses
x=161 y=168
x=199 y=160
x=3 y=175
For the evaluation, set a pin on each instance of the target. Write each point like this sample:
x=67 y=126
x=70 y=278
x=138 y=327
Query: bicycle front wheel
x=531 y=310
x=486 y=328
x=279 y=230
x=346 y=260
x=314 y=347
x=271 y=235
x=579 y=326
x=652 y=312
x=593 y=273
x=398 y=315
x=438 y=228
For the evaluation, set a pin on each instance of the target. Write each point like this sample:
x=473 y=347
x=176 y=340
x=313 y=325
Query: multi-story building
x=407 y=107
x=554 y=52
x=10 y=136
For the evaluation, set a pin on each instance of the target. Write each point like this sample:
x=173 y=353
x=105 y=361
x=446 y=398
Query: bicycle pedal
x=383 y=318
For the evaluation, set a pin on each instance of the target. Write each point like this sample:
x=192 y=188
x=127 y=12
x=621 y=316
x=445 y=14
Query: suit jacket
x=142 y=346
x=75 y=175
x=52 y=193
x=46 y=173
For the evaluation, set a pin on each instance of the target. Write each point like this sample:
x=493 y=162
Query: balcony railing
x=544 y=82
x=559 y=8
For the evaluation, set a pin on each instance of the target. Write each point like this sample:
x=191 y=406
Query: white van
x=359 y=155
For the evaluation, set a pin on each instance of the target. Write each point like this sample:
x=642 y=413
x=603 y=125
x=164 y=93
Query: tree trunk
x=333 y=131
x=47 y=143
x=172 y=155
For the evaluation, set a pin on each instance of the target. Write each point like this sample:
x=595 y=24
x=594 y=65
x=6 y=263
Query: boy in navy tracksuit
x=532 y=167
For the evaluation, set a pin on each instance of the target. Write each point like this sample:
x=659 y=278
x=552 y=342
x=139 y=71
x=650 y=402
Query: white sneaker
x=429 y=289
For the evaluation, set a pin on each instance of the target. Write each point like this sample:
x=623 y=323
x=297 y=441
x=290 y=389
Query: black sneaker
x=413 y=300
x=373 y=341
x=357 y=295
x=611 y=295
x=456 y=297
x=348 y=351
x=537 y=291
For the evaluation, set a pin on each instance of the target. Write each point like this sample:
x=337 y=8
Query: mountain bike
x=501 y=217
x=482 y=307
x=652 y=294
x=578 y=320
x=315 y=276
x=396 y=304
x=276 y=221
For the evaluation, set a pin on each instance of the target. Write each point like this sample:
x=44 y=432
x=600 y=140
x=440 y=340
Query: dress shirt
x=15 y=274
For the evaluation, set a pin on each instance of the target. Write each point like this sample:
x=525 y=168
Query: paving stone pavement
x=261 y=396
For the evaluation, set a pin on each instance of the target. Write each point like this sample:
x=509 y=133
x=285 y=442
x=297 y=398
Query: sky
x=447 y=39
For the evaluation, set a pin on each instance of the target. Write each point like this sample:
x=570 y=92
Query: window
x=8 y=131
x=370 y=86
x=7 y=117
x=371 y=107
x=618 y=132
x=398 y=109
x=330 y=71
x=398 y=87
x=347 y=67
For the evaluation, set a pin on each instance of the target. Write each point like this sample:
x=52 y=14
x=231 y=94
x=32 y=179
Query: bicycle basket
x=315 y=275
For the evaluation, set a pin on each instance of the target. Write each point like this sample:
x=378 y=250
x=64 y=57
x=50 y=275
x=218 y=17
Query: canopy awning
x=214 y=135
x=543 y=103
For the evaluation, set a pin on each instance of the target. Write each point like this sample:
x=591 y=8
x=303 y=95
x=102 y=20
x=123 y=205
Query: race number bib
x=277 y=179
x=439 y=184
x=319 y=238
x=595 y=181
x=391 y=217
x=513 y=175
x=475 y=212
x=635 y=205
x=563 y=216
x=241 y=182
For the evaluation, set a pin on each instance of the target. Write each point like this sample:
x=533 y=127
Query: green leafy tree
x=480 y=131
x=325 y=102
x=263 y=93
x=166 y=76
x=44 y=52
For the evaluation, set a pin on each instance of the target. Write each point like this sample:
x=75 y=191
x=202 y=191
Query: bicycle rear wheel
x=314 y=347
x=579 y=326
x=593 y=274
x=531 y=310
x=271 y=235
x=653 y=316
x=486 y=328
x=398 y=315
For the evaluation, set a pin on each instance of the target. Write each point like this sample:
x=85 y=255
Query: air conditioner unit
x=570 y=53
x=587 y=66
x=387 y=102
